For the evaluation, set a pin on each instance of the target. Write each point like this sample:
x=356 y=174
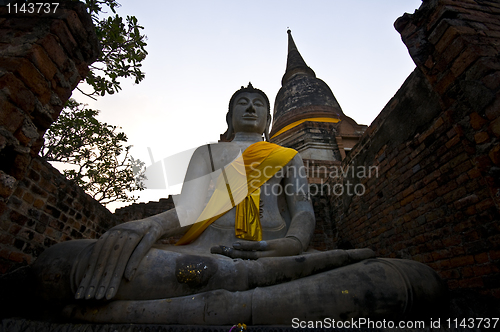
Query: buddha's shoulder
x=216 y=154
x=219 y=148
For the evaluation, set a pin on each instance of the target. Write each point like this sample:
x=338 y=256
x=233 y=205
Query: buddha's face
x=249 y=113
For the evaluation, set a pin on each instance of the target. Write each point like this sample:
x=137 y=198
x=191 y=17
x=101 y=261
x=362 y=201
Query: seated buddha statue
x=244 y=253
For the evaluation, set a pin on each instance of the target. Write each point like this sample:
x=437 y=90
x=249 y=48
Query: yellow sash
x=261 y=161
x=296 y=123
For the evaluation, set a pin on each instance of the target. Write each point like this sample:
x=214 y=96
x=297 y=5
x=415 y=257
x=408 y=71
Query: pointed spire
x=291 y=43
x=295 y=64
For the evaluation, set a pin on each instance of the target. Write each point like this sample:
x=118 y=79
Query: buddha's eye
x=258 y=102
x=242 y=101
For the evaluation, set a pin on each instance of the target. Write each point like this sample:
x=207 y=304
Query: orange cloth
x=247 y=223
x=260 y=162
x=296 y=123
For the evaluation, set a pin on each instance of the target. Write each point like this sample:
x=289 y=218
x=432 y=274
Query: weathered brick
x=8 y=239
x=453 y=240
x=481 y=270
x=54 y=51
x=481 y=137
x=441 y=254
x=20 y=257
x=462 y=178
x=495 y=154
x=455 y=195
x=464 y=60
x=78 y=31
x=494 y=127
x=462 y=261
x=21 y=162
x=492 y=112
x=60 y=29
x=443 y=26
x=494 y=254
x=11 y=117
x=444 y=81
x=455 y=140
x=53 y=234
x=30 y=76
x=482 y=258
x=475 y=282
x=467 y=272
x=452 y=33
x=28 y=198
x=43 y=63
x=445 y=188
x=485 y=204
x=38 y=203
x=492 y=81
x=477 y=121
x=17 y=92
x=450 y=274
x=477 y=16
x=452 y=52
x=466 y=201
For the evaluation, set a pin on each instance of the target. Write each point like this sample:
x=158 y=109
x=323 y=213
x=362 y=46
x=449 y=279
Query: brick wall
x=46 y=209
x=137 y=211
x=42 y=59
x=436 y=146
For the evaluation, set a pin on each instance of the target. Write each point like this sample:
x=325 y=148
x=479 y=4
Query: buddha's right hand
x=115 y=255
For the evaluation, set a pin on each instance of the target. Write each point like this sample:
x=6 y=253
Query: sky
x=201 y=52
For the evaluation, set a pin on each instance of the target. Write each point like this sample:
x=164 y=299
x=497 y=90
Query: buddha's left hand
x=288 y=246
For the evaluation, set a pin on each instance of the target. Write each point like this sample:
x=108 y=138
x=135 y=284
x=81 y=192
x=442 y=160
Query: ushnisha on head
x=248 y=103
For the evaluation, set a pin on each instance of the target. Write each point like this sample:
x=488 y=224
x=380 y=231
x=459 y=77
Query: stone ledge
x=24 y=325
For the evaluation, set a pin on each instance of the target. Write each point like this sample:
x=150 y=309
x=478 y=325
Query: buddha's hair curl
x=229 y=115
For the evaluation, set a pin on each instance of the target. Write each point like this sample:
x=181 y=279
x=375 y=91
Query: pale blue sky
x=200 y=52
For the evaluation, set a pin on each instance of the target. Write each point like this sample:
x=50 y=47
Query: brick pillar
x=456 y=44
x=43 y=57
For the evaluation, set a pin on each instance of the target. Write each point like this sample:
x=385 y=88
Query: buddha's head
x=249 y=111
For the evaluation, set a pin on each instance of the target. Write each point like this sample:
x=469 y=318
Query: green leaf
x=122 y=48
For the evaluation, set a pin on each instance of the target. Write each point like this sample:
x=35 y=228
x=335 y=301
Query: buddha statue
x=244 y=254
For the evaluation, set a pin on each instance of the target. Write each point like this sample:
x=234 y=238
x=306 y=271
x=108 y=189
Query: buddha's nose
x=250 y=108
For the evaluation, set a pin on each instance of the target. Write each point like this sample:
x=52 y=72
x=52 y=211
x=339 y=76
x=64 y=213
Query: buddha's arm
x=301 y=227
x=299 y=204
x=120 y=250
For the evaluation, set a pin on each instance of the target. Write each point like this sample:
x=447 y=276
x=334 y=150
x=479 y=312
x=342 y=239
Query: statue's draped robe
x=239 y=185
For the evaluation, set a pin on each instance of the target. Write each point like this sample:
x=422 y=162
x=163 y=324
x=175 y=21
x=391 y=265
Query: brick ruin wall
x=436 y=198
x=46 y=209
x=142 y=210
x=42 y=59
x=137 y=211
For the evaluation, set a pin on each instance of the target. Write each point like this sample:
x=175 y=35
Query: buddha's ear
x=266 y=131
x=229 y=120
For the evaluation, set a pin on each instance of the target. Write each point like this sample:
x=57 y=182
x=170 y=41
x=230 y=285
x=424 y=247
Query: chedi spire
x=295 y=64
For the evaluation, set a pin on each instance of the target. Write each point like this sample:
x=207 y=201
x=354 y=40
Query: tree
x=122 y=49
x=102 y=165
